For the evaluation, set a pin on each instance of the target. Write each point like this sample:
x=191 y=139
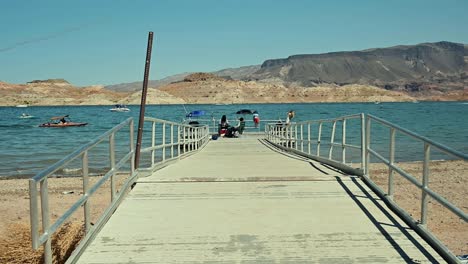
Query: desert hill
x=53 y=92
x=205 y=88
x=413 y=68
x=427 y=68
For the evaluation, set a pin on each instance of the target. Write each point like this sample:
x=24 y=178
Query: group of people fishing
x=226 y=130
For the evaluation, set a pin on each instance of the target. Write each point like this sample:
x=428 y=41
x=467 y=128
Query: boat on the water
x=22 y=105
x=25 y=116
x=120 y=108
x=61 y=121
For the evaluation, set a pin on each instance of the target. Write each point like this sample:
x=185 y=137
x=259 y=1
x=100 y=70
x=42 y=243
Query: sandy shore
x=15 y=238
x=449 y=178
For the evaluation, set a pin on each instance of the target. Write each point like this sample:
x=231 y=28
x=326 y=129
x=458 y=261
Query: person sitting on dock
x=235 y=131
x=240 y=126
x=223 y=125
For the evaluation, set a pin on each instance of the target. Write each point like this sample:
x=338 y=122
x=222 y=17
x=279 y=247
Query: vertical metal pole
x=302 y=137
x=45 y=221
x=363 y=142
x=198 y=138
x=172 y=141
x=87 y=215
x=34 y=214
x=308 y=138
x=163 y=142
x=343 y=142
x=392 y=161
x=425 y=182
x=143 y=99
x=185 y=139
x=153 y=143
x=131 y=145
x=367 y=146
x=343 y=137
x=332 y=140
x=178 y=141
x=295 y=137
x=319 y=138
x=112 y=164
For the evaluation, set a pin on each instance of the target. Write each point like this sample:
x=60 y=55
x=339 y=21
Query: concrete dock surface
x=240 y=201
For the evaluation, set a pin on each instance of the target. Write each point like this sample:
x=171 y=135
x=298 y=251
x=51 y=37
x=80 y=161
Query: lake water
x=26 y=149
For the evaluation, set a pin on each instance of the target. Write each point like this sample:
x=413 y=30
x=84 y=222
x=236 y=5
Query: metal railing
x=426 y=192
x=169 y=141
x=249 y=128
x=299 y=138
x=310 y=138
x=44 y=236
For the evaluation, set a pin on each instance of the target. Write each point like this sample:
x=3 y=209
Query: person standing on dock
x=256 y=119
x=290 y=116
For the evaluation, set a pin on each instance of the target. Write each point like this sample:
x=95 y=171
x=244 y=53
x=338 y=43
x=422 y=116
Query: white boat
x=24 y=115
x=22 y=105
x=120 y=108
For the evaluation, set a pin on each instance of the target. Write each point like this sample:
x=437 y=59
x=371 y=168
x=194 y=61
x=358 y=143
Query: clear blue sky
x=91 y=42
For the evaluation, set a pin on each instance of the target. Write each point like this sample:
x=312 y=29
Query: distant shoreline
x=337 y=102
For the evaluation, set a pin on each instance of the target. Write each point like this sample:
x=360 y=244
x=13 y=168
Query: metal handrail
x=426 y=192
x=299 y=137
x=421 y=185
x=45 y=236
x=290 y=137
x=213 y=123
x=173 y=141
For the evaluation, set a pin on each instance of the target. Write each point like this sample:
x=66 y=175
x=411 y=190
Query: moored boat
x=120 y=108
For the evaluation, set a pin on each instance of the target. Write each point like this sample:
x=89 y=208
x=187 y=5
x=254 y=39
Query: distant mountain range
x=412 y=68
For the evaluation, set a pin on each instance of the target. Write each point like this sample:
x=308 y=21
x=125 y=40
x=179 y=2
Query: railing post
x=85 y=165
x=425 y=182
x=343 y=141
x=302 y=137
x=131 y=143
x=46 y=220
x=164 y=142
x=153 y=143
x=332 y=140
x=33 y=214
x=112 y=164
x=295 y=137
x=392 y=161
x=197 y=137
x=308 y=138
x=184 y=138
x=172 y=141
x=178 y=141
x=367 y=145
x=319 y=137
x=363 y=142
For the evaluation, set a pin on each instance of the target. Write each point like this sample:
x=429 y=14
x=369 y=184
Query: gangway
x=291 y=195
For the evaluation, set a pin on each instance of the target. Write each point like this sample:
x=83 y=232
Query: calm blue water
x=26 y=149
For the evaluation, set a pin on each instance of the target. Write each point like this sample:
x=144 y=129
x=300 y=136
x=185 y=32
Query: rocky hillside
x=54 y=92
x=428 y=68
x=441 y=65
x=203 y=88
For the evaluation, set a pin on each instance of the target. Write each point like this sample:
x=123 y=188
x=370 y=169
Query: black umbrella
x=244 y=112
